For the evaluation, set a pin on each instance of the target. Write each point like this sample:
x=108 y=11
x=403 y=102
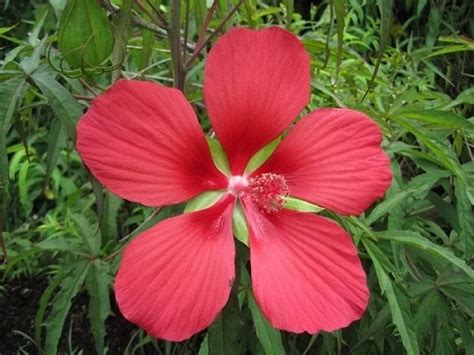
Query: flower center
x=267 y=192
x=238 y=185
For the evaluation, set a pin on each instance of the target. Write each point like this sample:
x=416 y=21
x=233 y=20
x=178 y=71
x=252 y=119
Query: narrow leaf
x=415 y=240
x=61 y=305
x=268 y=336
x=399 y=307
x=64 y=105
x=98 y=283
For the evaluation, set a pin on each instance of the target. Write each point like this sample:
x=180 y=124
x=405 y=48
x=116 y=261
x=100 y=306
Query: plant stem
x=200 y=46
x=179 y=74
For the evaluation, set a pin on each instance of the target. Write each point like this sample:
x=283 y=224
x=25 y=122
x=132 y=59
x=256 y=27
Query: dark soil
x=18 y=305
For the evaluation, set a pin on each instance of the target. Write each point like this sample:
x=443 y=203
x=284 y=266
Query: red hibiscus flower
x=144 y=143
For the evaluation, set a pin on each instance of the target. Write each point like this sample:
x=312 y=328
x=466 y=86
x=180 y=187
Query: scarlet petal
x=306 y=274
x=332 y=157
x=176 y=277
x=143 y=142
x=255 y=84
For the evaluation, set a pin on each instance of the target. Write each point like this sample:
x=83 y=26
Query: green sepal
x=218 y=156
x=239 y=224
x=295 y=204
x=261 y=156
x=203 y=201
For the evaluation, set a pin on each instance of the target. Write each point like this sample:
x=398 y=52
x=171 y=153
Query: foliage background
x=408 y=64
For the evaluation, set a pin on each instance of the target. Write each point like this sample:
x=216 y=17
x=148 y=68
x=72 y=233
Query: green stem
x=179 y=74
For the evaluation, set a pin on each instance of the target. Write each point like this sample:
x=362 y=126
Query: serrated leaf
x=90 y=237
x=375 y=253
x=10 y=94
x=56 y=141
x=415 y=240
x=61 y=305
x=44 y=301
x=108 y=222
x=399 y=308
x=29 y=64
x=442 y=152
x=269 y=337
x=85 y=34
x=466 y=334
x=222 y=334
x=98 y=284
x=465 y=217
x=386 y=206
x=59 y=244
x=204 y=200
x=425 y=313
x=64 y=105
x=436 y=118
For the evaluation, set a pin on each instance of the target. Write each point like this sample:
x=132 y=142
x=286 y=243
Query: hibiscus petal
x=143 y=142
x=176 y=277
x=332 y=157
x=306 y=274
x=255 y=84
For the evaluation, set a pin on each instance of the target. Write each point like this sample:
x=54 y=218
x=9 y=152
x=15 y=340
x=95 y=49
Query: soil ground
x=18 y=305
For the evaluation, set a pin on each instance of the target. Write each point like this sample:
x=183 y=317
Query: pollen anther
x=267 y=192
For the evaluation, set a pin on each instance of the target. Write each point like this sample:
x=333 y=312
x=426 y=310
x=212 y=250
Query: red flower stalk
x=144 y=143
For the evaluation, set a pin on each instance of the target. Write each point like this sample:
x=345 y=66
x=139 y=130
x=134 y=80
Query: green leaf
x=340 y=12
x=465 y=217
x=386 y=206
x=59 y=244
x=218 y=156
x=239 y=224
x=56 y=141
x=442 y=152
x=222 y=334
x=466 y=97
x=268 y=336
x=203 y=201
x=425 y=313
x=436 y=118
x=415 y=240
x=399 y=307
x=85 y=35
x=385 y=8
x=122 y=29
x=98 y=283
x=44 y=301
x=64 y=105
x=295 y=204
x=10 y=94
x=261 y=156
x=466 y=334
x=204 y=347
x=89 y=236
x=108 y=223
x=61 y=305
x=31 y=63
x=375 y=253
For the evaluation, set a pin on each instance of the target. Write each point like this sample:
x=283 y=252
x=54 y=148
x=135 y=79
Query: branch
x=204 y=43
